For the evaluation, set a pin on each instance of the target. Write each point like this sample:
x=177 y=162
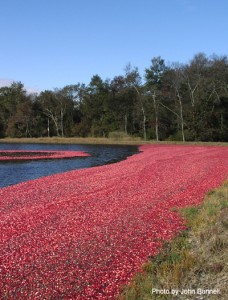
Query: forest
x=175 y=102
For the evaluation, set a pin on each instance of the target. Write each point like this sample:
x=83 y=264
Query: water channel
x=13 y=172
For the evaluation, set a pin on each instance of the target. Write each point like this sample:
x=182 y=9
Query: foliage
x=187 y=102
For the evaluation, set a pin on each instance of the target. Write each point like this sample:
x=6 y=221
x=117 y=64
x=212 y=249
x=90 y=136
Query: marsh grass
x=198 y=257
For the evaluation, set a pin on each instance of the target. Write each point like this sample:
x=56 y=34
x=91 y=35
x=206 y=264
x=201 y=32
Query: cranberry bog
x=9 y=155
x=84 y=234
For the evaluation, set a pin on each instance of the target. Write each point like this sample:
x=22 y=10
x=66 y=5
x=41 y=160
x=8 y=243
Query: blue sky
x=48 y=44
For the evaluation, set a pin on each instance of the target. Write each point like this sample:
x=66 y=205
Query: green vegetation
x=174 y=103
x=197 y=258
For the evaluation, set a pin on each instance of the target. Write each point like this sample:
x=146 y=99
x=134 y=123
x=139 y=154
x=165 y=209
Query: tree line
x=187 y=102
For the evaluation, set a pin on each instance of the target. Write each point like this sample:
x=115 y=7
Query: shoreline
x=103 y=141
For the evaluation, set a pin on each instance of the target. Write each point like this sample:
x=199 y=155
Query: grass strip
x=126 y=140
x=195 y=264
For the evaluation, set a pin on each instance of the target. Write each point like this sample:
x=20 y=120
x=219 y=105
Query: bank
x=195 y=264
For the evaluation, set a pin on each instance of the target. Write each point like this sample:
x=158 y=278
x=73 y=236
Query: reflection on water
x=15 y=172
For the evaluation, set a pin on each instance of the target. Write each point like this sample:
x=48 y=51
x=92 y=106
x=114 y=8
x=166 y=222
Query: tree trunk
x=48 y=128
x=181 y=115
x=222 y=122
x=61 y=120
x=143 y=112
x=50 y=115
x=125 y=123
x=144 y=127
x=56 y=125
x=156 y=116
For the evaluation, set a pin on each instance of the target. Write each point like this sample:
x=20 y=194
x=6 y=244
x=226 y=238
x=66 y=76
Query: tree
x=49 y=107
x=120 y=103
x=19 y=125
x=174 y=76
x=65 y=104
x=94 y=108
x=153 y=77
x=55 y=105
x=206 y=80
x=133 y=80
x=188 y=102
x=16 y=110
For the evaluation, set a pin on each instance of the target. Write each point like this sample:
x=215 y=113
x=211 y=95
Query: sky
x=49 y=44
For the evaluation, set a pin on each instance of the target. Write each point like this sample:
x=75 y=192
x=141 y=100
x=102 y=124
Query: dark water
x=15 y=172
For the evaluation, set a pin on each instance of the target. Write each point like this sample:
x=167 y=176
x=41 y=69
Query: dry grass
x=197 y=259
x=114 y=140
x=75 y=140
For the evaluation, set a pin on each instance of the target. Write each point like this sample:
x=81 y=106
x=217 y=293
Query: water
x=15 y=172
